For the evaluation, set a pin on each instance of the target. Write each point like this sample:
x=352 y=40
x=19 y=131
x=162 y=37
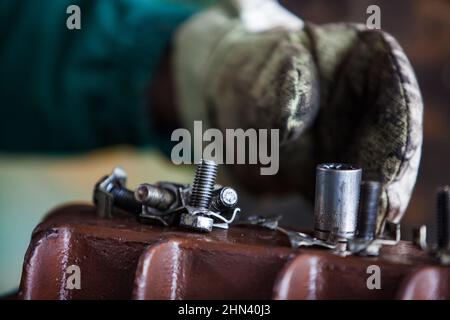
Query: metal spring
x=203 y=186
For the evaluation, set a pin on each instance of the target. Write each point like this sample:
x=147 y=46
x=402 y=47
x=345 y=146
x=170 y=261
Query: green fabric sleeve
x=71 y=90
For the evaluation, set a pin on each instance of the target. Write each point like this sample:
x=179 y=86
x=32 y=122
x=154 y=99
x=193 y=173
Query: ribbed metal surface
x=124 y=199
x=203 y=186
x=154 y=196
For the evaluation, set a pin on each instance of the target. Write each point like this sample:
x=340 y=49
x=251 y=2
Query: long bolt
x=153 y=196
x=203 y=186
x=368 y=209
x=443 y=217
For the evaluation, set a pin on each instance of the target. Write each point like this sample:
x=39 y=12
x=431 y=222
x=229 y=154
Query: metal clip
x=390 y=235
x=103 y=196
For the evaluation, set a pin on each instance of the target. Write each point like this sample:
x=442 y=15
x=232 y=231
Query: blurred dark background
x=422 y=27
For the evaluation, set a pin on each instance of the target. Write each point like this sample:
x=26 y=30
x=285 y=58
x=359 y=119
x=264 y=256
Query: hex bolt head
x=196 y=222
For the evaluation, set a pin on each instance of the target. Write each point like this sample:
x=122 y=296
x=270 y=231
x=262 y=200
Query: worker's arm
x=66 y=90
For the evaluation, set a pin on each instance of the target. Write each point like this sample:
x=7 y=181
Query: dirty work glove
x=337 y=93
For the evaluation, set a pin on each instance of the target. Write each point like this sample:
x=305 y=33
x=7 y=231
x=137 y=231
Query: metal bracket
x=354 y=246
x=102 y=196
x=169 y=216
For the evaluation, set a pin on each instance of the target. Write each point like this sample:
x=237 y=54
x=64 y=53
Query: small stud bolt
x=368 y=209
x=203 y=186
x=153 y=196
x=443 y=217
x=124 y=199
x=224 y=199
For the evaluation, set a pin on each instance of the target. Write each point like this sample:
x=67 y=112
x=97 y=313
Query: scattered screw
x=200 y=207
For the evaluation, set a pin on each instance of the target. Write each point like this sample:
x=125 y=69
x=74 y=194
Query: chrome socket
x=336 y=201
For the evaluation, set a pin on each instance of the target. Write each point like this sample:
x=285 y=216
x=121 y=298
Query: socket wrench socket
x=336 y=201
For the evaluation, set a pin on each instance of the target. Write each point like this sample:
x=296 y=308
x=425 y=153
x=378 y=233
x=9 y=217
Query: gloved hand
x=337 y=92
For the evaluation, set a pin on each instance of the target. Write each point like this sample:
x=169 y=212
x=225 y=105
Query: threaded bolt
x=153 y=196
x=124 y=199
x=443 y=217
x=203 y=186
x=368 y=209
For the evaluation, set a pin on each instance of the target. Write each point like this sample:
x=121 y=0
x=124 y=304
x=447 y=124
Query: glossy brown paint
x=120 y=258
x=426 y=283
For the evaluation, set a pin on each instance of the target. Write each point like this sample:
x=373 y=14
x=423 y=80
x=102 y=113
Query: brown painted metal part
x=426 y=283
x=182 y=269
x=319 y=275
x=120 y=258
